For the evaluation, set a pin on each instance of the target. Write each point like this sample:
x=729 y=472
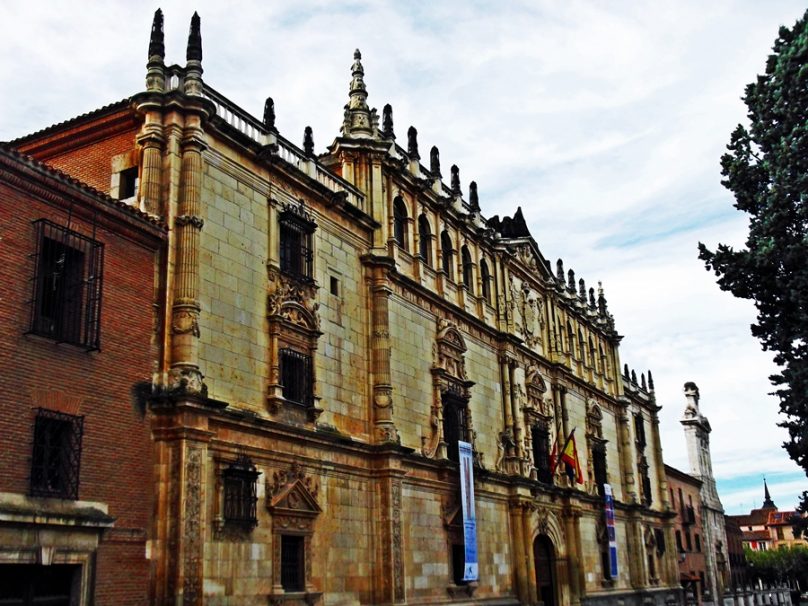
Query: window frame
x=62 y=459
x=71 y=313
x=425 y=240
x=400 y=217
x=294 y=392
x=447 y=254
x=296 y=248
x=240 y=496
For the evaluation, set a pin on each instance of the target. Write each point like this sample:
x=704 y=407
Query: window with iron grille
x=541 y=453
x=66 y=287
x=424 y=240
x=455 y=410
x=56 y=457
x=295 y=244
x=468 y=268
x=239 y=480
x=400 y=222
x=599 y=466
x=447 y=254
x=297 y=377
x=485 y=278
x=292 y=562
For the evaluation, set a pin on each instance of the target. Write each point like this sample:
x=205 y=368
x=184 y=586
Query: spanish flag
x=569 y=455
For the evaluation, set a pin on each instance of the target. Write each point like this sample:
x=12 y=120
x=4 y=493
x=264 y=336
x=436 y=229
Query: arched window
x=446 y=254
x=400 y=222
x=424 y=240
x=593 y=359
x=468 y=274
x=485 y=278
x=570 y=339
x=581 y=346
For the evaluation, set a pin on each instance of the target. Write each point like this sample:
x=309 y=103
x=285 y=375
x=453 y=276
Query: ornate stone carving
x=185 y=321
x=294 y=303
x=398 y=548
x=192 y=586
x=530 y=308
x=283 y=481
x=194 y=221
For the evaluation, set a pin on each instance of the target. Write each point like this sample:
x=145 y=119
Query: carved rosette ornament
x=292 y=502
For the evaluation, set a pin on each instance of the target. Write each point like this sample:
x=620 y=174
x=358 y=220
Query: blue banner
x=470 y=570
x=609 y=509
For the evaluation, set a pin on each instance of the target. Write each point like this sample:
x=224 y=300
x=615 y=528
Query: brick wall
x=116 y=458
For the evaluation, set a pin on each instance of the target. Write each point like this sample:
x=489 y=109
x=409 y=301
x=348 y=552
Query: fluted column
x=185 y=371
x=518 y=550
x=151 y=142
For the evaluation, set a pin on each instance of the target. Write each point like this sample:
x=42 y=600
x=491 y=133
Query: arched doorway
x=544 y=558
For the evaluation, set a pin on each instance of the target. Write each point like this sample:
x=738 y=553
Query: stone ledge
x=20 y=509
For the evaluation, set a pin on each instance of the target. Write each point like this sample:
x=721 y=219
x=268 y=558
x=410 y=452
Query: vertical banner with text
x=610 y=531
x=470 y=571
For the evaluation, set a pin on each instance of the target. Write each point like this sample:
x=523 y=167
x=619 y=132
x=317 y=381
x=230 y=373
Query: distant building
x=739 y=577
x=768 y=527
x=685 y=499
x=76 y=340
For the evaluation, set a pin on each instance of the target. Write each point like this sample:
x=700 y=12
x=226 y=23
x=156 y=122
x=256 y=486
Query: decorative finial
x=434 y=162
x=650 y=381
x=156 y=40
x=194 y=51
x=474 y=199
x=387 y=122
x=412 y=143
x=582 y=290
x=359 y=119
x=571 y=280
x=633 y=376
x=560 y=271
x=625 y=371
x=642 y=382
x=308 y=142
x=456 y=180
x=602 y=308
x=269 y=114
x=592 y=303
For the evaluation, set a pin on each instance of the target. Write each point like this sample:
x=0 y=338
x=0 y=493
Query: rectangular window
x=66 y=301
x=639 y=430
x=541 y=453
x=296 y=255
x=679 y=541
x=458 y=563
x=128 y=184
x=698 y=542
x=454 y=424
x=56 y=457
x=292 y=558
x=688 y=542
x=239 y=480
x=296 y=377
x=599 y=465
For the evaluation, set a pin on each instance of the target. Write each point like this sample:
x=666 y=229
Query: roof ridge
x=94 y=112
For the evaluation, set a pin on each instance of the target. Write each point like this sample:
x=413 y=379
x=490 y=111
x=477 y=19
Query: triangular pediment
x=295 y=497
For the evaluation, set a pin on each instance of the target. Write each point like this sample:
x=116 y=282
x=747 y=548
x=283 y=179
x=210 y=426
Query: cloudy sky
x=604 y=120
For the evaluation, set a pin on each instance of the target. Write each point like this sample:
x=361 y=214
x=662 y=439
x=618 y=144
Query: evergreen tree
x=766 y=168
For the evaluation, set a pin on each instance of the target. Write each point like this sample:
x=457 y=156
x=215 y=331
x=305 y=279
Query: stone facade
x=331 y=327
x=77 y=282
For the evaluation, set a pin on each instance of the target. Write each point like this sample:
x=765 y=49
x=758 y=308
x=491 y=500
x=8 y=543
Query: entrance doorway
x=544 y=558
x=33 y=585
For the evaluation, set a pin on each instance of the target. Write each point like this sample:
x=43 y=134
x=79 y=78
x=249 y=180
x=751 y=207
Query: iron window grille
x=424 y=238
x=297 y=257
x=454 y=424
x=639 y=430
x=240 y=479
x=66 y=287
x=468 y=268
x=485 y=278
x=292 y=562
x=297 y=377
x=541 y=453
x=56 y=457
x=447 y=254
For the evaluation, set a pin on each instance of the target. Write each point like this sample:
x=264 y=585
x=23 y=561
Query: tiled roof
x=780 y=518
x=10 y=152
x=757 y=535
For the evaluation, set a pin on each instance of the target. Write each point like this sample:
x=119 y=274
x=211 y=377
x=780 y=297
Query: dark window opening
x=639 y=430
x=296 y=251
x=698 y=542
x=468 y=266
x=334 y=286
x=447 y=254
x=292 y=562
x=540 y=437
x=605 y=562
x=688 y=542
x=296 y=377
x=659 y=537
x=599 y=466
x=424 y=240
x=485 y=278
x=66 y=302
x=454 y=424
x=458 y=563
x=400 y=222
x=128 y=184
x=56 y=458
x=33 y=584
x=679 y=541
x=240 y=498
